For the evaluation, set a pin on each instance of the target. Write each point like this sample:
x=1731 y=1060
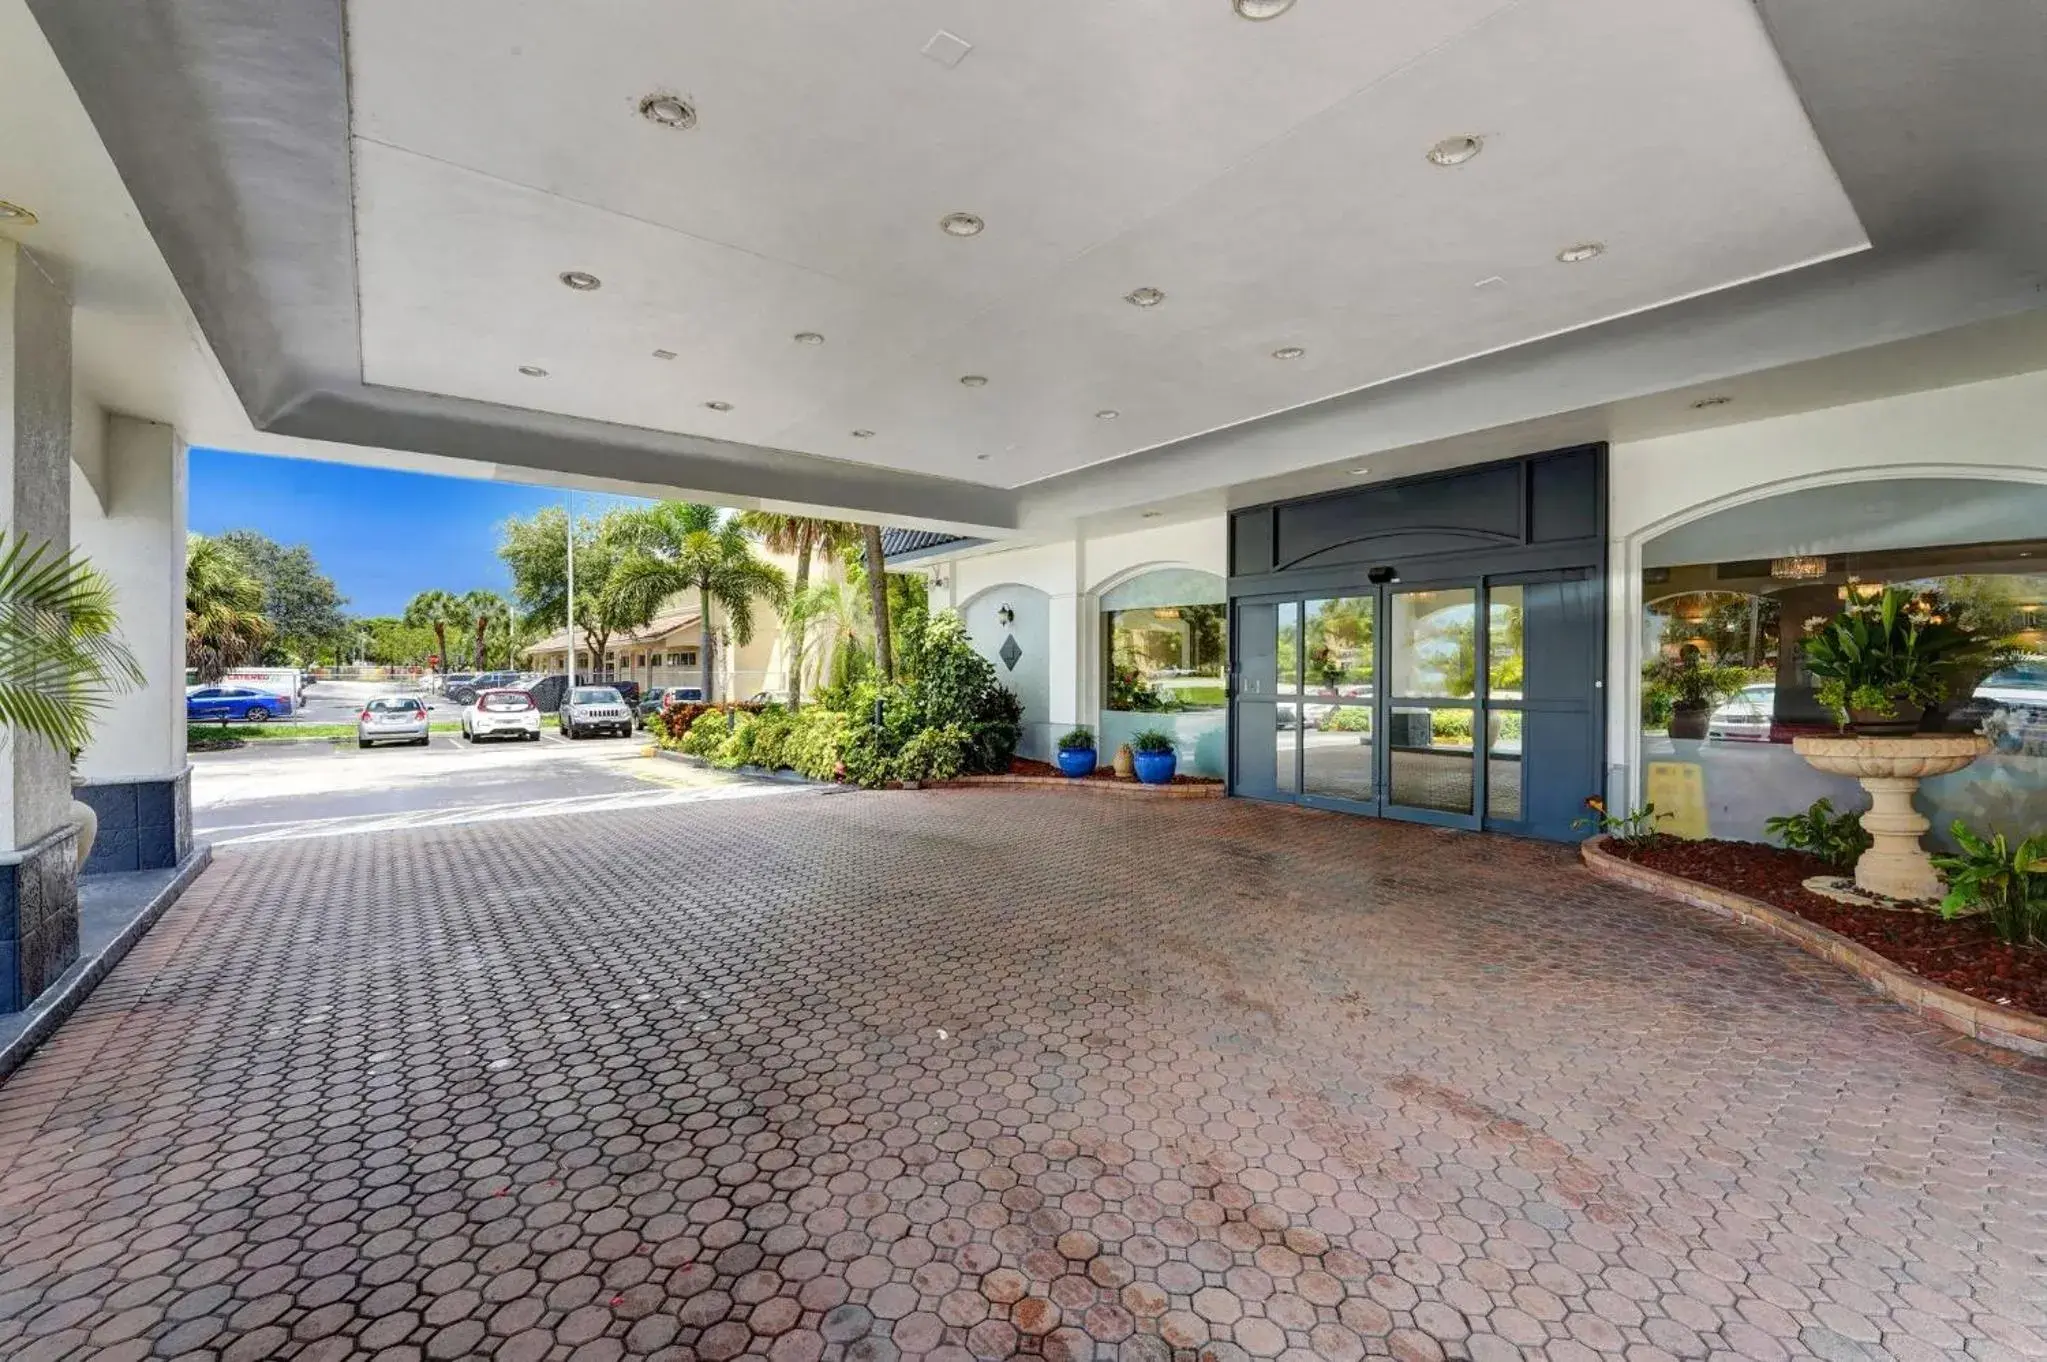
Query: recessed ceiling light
x=719 y=406
x=1455 y=151
x=1359 y=472
x=1107 y=414
x=809 y=338
x=1153 y=515
x=16 y=214
x=1491 y=281
x=581 y=280
x=664 y=354
x=973 y=381
x=1288 y=352
x=670 y=111
x=1706 y=402
x=1144 y=297
x=863 y=435
x=961 y=224
x=532 y=371
x=1583 y=251
x=1262 y=9
x=980 y=458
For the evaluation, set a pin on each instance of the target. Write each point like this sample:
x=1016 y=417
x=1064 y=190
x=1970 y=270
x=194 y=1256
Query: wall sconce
x=1006 y=616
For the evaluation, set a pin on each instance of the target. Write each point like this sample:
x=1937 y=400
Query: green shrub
x=706 y=732
x=1152 y=740
x=1078 y=740
x=737 y=748
x=933 y=754
x=1451 y=724
x=867 y=757
x=2006 y=883
x=1837 y=839
x=815 y=745
x=1348 y=719
x=769 y=737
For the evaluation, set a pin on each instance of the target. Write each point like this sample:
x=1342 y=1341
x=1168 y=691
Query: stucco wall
x=1073 y=574
x=1031 y=676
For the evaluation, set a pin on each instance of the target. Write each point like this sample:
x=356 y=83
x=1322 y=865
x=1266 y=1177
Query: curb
x=55 y=1005
x=2005 y=1027
x=1132 y=788
x=750 y=772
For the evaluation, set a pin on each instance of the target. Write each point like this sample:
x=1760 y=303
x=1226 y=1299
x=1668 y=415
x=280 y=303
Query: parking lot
x=271 y=790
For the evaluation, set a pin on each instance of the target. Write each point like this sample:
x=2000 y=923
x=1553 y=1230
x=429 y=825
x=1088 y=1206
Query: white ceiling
x=1268 y=176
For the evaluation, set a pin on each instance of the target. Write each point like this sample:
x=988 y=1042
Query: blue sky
x=382 y=535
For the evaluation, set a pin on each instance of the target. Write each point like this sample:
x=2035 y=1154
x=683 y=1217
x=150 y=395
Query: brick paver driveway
x=952 y=1074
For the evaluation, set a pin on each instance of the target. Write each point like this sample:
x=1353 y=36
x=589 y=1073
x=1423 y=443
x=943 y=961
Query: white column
x=139 y=543
x=35 y=501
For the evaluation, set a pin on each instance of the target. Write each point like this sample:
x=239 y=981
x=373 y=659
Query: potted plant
x=1881 y=662
x=1693 y=687
x=61 y=659
x=1151 y=752
x=1077 y=753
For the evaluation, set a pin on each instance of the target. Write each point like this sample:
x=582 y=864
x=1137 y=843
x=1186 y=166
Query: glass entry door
x=1403 y=700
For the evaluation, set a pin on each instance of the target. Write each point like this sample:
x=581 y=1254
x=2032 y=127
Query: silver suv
x=596 y=709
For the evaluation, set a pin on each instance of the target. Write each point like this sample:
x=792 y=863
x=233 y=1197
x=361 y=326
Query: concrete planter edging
x=1131 y=788
x=2005 y=1027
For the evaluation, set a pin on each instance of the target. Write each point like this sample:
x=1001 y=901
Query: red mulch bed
x=1020 y=766
x=1962 y=954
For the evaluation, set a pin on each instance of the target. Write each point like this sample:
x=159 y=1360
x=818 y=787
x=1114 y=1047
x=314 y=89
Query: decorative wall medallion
x=1009 y=652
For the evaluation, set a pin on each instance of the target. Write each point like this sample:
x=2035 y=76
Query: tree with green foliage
x=439 y=611
x=677 y=546
x=536 y=551
x=485 y=608
x=303 y=604
x=61 y=661
x=225 y=626
x=801 y=536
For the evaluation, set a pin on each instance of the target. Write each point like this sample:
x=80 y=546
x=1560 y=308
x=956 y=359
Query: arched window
x=1165 y=643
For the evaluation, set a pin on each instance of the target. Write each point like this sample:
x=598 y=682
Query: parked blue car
x=234 y=704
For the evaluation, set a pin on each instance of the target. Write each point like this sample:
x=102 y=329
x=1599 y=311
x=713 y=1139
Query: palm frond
x=61 y=663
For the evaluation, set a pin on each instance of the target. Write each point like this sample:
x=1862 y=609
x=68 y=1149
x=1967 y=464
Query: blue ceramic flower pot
x=1154 y=768
x=1076 y=761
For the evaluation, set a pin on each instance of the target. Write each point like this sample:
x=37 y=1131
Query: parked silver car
x=596 y=709
x=502 y=714
x=392 y=718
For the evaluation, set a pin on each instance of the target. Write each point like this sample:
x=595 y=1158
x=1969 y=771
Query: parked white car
x=1745 y=716
x=596 y=709
x=392 y=718
x=502 y=714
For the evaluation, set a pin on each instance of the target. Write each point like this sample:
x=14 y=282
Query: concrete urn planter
x=1890 y=769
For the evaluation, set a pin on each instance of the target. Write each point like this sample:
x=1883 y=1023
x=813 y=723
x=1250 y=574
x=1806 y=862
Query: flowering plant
x=1636 y=829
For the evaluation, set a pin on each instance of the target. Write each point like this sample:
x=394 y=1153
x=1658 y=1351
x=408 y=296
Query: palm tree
x=438 y=610
x=483 y=607
x=800 y=535
x=60 y=660
x=876 y=565
x=838 y=613
x=224 y=622
x=677 y=546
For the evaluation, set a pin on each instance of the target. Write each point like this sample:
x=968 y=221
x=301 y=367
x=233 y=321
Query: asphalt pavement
x=267 y=791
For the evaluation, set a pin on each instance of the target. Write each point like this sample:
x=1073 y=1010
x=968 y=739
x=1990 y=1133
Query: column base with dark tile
x=144 y=824
x=38 y=917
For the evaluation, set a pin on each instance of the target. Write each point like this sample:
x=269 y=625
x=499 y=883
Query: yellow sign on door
x=1678 y=789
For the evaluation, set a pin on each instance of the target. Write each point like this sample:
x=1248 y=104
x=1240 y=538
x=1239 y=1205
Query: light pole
x=570 y=651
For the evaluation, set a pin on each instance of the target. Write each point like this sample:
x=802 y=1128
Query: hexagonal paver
x=958 y=1074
